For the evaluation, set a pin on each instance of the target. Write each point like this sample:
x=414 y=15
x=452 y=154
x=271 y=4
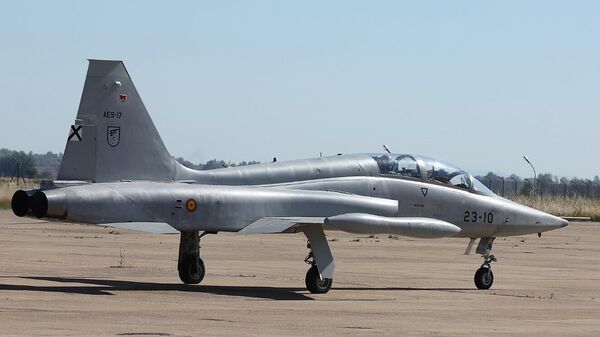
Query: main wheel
x=314 y=283
x=484 y=278
x=191 y=270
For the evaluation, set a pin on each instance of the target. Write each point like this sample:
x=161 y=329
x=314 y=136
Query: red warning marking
x=122 y=98
x=191 y=205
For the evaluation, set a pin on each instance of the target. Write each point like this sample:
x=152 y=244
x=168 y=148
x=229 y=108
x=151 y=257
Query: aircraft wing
x=266 y=225
x=352 y=222
x=271 y=225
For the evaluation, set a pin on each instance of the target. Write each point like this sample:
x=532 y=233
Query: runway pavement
x=60 y=279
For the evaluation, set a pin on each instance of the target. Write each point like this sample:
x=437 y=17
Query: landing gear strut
x=313 y=280
x=484 y=278
x=190 y=265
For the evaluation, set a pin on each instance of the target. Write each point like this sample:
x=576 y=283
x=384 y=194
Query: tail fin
x=113 y=137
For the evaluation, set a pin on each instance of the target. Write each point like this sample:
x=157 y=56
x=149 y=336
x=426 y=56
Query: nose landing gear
x=484 y=278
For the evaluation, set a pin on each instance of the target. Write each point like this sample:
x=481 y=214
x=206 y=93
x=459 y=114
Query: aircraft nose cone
x=564 y=223
x=525 y=220
x=554 y=222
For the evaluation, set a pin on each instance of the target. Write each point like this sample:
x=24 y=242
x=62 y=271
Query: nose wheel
x=484 y=278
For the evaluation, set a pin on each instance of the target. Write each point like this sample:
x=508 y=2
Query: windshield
x=481 y=188
x=445 y=173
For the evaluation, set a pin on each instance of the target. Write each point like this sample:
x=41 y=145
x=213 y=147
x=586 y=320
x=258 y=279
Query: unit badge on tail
x=113 y=135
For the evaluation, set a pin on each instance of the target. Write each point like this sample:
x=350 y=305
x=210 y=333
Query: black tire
x=484 y=278
x=315 y=284
x=188 y=273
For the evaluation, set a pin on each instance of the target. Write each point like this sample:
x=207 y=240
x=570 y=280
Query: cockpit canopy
x=429 y=170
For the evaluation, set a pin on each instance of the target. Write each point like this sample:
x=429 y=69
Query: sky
x=475 y=83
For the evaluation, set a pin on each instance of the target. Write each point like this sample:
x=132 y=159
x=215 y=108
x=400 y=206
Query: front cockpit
x=429 y=170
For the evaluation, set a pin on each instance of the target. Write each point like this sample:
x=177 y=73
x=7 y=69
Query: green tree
x=10 y=160
x=214 y=164
x=186 y=163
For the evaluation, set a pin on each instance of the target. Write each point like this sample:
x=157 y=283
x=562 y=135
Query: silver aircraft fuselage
x=241 y=197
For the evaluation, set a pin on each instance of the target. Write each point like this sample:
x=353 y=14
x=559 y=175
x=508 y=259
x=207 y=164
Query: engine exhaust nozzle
x=49 y=204
x=41 y=204
x=21 y=202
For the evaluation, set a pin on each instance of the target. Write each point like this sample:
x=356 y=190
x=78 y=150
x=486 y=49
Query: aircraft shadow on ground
x=107 y=287
x=401 y=289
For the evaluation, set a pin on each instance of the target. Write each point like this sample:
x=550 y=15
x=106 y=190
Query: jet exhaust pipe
x=361 y=223
x=21 y=202
x=41 y=204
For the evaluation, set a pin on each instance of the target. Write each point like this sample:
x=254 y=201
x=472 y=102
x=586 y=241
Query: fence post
x=587 y=192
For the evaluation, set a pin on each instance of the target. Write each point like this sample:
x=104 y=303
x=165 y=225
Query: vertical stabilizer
x=113 y=137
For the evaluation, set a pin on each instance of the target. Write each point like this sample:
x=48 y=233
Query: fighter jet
x=117 y=171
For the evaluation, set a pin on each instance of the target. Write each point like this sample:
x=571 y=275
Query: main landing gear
x=190 y=265
x=484 y=278
x=319 y=276
x=313 y=280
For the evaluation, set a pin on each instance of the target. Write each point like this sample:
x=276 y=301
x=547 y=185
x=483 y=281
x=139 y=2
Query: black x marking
x=75 y=132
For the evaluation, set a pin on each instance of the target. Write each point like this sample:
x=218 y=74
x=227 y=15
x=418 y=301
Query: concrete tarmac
x=59 y=279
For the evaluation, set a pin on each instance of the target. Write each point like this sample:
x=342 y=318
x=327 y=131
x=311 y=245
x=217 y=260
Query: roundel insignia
x=191 y=205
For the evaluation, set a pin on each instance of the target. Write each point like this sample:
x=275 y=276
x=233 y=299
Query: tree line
x=542 y=178
x=45 y=166
x=213 y=164
x=29 y=165
x=545 y=184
